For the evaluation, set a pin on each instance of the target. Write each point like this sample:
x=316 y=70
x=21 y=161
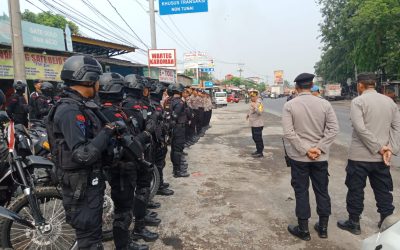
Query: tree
x=362 y=35
x=49 y=19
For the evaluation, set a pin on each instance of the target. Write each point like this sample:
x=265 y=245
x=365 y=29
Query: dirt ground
x=232 y=201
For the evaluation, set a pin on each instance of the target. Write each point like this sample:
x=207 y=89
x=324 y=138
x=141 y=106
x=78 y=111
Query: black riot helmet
x=47 y=89
x=134 y=82
x=111 y=86
x=157 y=91
x=178 y=88
x=81 y=70
x=148 y=82
x=19 y=86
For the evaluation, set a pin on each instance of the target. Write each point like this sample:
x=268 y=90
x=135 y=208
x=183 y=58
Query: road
x=232 y=201
x=342 y=109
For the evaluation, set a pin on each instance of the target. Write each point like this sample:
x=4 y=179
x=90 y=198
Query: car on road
x=232 y=98
x=221 y=98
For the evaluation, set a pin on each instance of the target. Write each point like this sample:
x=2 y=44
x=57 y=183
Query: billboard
x=171 y=7
x=37 y=66
x=197 y=59
x=162 y=57
x=278 y=77
x=35 y=35
x=166 y=75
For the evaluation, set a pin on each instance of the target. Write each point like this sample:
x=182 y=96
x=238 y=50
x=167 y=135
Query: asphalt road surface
x=342 y=109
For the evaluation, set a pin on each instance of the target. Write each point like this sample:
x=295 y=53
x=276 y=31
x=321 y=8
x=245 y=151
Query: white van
x=221 y=98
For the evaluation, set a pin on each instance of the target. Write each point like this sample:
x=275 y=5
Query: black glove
x=120 y=127
x=151 y=126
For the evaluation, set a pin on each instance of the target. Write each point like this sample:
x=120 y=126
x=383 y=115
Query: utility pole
x=16 y=38
x=152 y=24
x=240 y=69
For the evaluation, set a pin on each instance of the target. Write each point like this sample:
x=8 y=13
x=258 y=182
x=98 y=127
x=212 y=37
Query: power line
x=177 y=28
x=127 y=24
x=35 y=5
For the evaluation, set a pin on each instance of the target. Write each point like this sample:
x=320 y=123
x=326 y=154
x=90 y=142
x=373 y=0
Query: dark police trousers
x=177 y=145
x=122 y=180
x=83 y=197
x=302 y=172
x=257 y=138
x=381 y=183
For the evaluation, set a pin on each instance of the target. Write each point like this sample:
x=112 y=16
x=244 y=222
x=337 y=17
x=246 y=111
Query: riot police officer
x=179 y=120
x=78 y=140
x=310 y=126
x=160 y=146
x=41 y=102
x=121 y=167
x=17 y=108
x=137 y=113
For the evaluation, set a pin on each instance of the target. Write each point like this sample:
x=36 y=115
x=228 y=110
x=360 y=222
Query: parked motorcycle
x=41 y=219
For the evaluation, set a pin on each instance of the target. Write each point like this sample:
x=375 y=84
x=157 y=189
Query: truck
x=277 y=91
x=333 y=91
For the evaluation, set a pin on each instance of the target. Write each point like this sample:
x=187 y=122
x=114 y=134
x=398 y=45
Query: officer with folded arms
x=310 y=126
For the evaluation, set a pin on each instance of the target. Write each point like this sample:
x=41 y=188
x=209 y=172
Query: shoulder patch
x=80 y=118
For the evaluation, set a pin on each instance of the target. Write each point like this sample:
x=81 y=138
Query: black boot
x=322 y=227
x=352 y=225
x=180 y=174
x=135 y=246
x=151 y=213
x=152 y=221
x=300 y=231
x=165 y=191
x=141 y=232
x=153 y=205
x=164 y=185
x=383 y=217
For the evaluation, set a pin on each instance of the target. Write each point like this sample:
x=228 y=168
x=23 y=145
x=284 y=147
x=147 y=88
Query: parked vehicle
x=333 y=91
x=277 y=91
x=221 y=98
x=388 y=236
x=233 y=99
x=31 y=225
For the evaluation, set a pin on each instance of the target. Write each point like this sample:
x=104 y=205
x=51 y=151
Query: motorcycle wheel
x=155 y=183
x=108 y=213
x=60 y=236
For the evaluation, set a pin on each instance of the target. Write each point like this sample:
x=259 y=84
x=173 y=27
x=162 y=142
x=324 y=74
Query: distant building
x=255 y=79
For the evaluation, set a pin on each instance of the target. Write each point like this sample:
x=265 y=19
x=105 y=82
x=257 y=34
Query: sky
x=264 y=35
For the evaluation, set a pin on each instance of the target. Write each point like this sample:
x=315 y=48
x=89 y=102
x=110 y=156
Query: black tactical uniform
x=17 y=108
x=78 y=141
x=179 y=120
x=137 y=112
x=121 y=166
x=160 y=145
x=41 y=103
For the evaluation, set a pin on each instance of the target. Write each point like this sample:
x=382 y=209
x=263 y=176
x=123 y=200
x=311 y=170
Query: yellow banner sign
x=37 y=66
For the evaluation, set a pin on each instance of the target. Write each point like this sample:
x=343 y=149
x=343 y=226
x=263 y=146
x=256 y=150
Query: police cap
x=304 y=79
x=366 y=76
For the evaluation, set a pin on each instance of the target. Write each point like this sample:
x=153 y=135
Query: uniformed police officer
x=376 y=130
x=137 y=112
x=121 y=168
x=78 y=140
x=18 y=108
x=310 y=126
x=41 y=102
x=179 y=119
x=256 y=121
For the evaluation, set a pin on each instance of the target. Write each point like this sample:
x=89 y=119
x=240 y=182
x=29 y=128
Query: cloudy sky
x=264 y=35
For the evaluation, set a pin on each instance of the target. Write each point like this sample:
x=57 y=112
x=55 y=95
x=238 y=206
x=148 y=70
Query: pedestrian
x=36 y=85
x=18 y=108
x=121 y=169
x=310 y=125
x=78 y=139
x=256 y=121
x=376 y=130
